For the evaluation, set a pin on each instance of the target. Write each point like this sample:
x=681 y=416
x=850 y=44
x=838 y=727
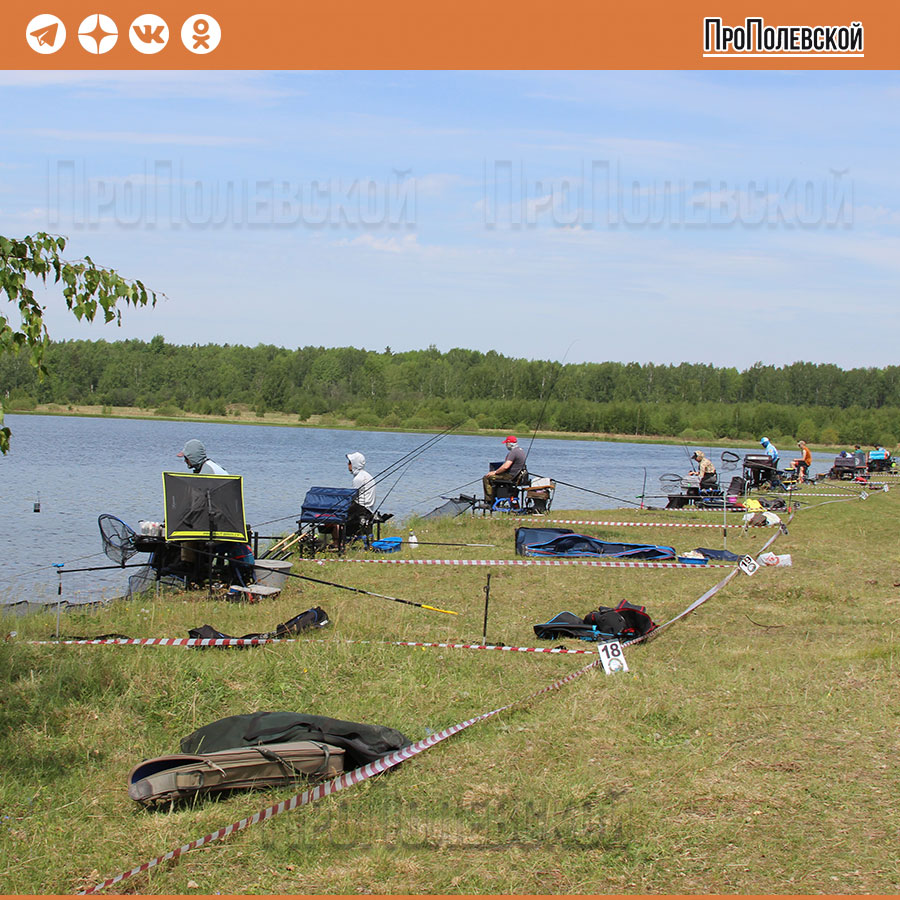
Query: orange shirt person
x=802 y=465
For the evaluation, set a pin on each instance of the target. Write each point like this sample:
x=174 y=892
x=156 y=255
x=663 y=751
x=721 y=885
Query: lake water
x=78 y=468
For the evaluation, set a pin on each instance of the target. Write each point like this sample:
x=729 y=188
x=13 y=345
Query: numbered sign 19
x=613 y=657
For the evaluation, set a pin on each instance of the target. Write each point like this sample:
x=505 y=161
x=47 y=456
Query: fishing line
x=56 y=565
x=385 y=473
x=388 y=494
x=442 y=496
x=578 y=487
x=413 y=454
x=282 y=519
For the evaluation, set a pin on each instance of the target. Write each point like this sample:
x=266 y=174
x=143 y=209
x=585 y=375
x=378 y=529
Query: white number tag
x=613 y=657
x=748 y=565
x=886 y=488
x=863 y=495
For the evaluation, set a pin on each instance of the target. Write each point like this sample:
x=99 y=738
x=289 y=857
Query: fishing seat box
x=264 y=765
x=846 y=467
x=327 y=505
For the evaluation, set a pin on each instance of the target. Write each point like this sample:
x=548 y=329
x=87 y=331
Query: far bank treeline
x=427 y=389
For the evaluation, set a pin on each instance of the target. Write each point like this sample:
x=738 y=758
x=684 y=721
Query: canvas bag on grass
x=182 y=775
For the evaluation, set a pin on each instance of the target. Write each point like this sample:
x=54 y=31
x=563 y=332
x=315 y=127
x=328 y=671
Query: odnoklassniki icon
x=201 y=34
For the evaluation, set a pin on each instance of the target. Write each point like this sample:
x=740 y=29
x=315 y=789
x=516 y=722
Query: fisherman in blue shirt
x=771 y=451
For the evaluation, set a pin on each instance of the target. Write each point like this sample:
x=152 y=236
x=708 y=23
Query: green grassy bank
x=751 y=748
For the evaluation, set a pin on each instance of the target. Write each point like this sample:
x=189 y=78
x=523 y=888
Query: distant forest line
x=428 y=389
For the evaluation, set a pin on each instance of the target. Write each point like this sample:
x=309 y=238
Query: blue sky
x=631 y=216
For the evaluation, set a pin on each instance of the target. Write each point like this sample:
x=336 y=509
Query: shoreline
x=282 y=420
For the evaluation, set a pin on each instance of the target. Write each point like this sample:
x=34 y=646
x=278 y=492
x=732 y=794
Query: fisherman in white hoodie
x=363 y=482
x=363 y=505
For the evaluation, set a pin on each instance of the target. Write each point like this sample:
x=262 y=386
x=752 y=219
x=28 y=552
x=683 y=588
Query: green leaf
x=86 y=286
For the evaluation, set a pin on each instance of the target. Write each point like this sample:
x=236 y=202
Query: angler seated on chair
x=706 y=470
x=344 y=513
x=361 y=512
x=879 y=460
x=510 y=494
x=510 y=473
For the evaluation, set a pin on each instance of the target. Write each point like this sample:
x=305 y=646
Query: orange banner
x=468 y=34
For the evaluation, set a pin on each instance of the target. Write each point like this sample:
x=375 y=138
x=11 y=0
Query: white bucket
x=271 y=572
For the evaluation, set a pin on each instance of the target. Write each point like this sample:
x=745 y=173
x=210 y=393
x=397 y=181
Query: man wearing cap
x=771 y=451
x=508 y=472
x=705 y=469
x=194 y=454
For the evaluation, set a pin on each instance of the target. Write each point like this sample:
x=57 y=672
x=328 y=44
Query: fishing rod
x=562 y=366
x=402 y=465
x=355 y=590
x=387 y=472
x=413 y=454
x=63 y=571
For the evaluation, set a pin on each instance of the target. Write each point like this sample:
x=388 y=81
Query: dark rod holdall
x=363 y=743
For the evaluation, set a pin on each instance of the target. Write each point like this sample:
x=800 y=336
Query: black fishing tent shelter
x=204 y=507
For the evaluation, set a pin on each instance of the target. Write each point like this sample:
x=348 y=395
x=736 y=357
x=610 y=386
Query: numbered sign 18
x=613 y=657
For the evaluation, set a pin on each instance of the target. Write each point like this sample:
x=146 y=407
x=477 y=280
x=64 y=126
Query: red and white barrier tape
x=257 y=642
x=634 y=524
x=713 y=590
x=348 y=779
x=598 y=563
x=847 y=495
